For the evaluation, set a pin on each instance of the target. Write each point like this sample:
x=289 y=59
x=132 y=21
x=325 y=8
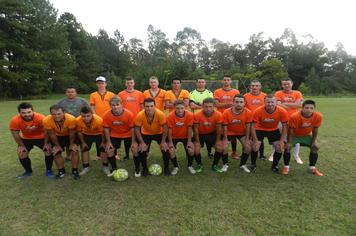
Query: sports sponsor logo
x=131 y=99
x=256 y=101
x=306 y=125
x=236 y=121
x=268 y=120
x=32 y=127
x=118 y=123
x=179 y=124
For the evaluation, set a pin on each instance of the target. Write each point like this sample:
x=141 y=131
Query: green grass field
x=234 y=203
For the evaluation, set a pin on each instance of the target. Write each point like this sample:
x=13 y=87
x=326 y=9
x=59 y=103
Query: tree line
x=42 y=53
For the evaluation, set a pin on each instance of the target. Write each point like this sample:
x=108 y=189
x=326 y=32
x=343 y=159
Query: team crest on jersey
x=118 y=123
x=256 y=101
x=226 y=97
x=306 y=125
x=268 y=120
x=236 y=121
x=179 y=124
x=32 y=127
x=288 y=99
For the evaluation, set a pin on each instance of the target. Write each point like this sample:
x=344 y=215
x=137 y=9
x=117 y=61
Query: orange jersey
x=101 y=102
x=236 y=123
x=121 y=125
x=95 y=127
x=303 y=126
x=132 y=100
x=60 y=130
x=225 y=96
x=170 y=96
x=291 y=97
x=29 y=129
x=254 y=101
x=150 y=127
x=180 y=125
x=159 y=98
x=269 y=121
x=206 y=124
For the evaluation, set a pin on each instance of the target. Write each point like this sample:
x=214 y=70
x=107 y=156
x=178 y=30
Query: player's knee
x=246 y=148
x=278 y=147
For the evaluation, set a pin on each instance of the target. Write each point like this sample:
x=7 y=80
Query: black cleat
x=75 y=175
x=275 y=169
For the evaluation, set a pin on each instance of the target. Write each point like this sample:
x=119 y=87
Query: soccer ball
x=120 y=175
x=155 y=169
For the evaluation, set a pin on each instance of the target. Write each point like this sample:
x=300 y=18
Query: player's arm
x=84 y=146
x=92 y=106
x=163 y=144
x=248 y=131
x=283 y=134
x=296 y=104
x=290 y=134
x=255 y=144
x=142 y=146
x=168 y=104
x=314 y=137
x=194 y=105
x=224 y=132
x=279 y=103
x=196 y=133
x=72 y=145
x=108 y=145
x=21 y=149
x=53 y=138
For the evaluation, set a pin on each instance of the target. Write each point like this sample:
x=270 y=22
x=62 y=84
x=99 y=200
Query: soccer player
x=118 y=126
x=224 y=99
x=61 y=129
x=237 y=125
x=155 y=92
x=208 y=130
x=90 y=130
x=27 y=131
x=71 y=103
x=131 y=98
x=150 y=125
x=254 y=99
x=177 y=93
x=291 y=100
x=303 y=129
x=197 y=96
x=180 y=129
x=265 y=124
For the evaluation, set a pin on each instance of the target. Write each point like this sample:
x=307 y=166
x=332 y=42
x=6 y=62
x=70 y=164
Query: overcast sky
x=227 y=20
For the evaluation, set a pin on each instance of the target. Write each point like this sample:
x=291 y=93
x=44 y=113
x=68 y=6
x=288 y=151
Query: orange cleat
x=235 y=156
x=285 y=170
x=316 y=172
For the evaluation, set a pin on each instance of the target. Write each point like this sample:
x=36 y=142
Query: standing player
x=254 y=99
x=208 y=131
x=237 y=125
x=265 y=124
x=291 y=100
x=60 y=127
x=150 y=125
x=118 y=126
x=197 y=96
x=27 y=131
x=180 y=123
x=71 y=103
x=90 y=130
x=303 y=129
x=177 y=93
x=224 y=99
x=155 y=92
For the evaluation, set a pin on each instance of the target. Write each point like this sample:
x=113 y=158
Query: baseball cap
x=100 y=78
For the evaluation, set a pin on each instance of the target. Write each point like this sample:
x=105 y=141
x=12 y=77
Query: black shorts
x=116 y=142
x=272 y=136
x=30 y=143
x=63 y=141
x=234 y=137
x=208 y=139
x=90 y=139
x=149 y=138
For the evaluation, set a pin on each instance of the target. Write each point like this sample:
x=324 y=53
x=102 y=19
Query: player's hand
x=47 y=149
x=142 y=147
x=73 y=147
x=164 y=146
x=256 y=145
x=22 y=151
x=108 y=147
x=84 y=147
x=57 y=150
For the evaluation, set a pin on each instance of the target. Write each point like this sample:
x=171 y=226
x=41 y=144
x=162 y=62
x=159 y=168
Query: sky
x=231 y=21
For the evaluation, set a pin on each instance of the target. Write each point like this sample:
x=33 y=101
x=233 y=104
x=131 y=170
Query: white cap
x=100 y=78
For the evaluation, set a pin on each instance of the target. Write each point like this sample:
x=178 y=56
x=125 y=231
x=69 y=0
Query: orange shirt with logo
x=95 y=127
x=254 y=101
x=121 y=125
x=269 y=121
x=101 y=102
x=132 y=101
x=150 y=127
x=170 y=96
x=291 y=97
x=303 y=126
x=60 y=130
x=207 y=124
x=180 y=125
x=236 y=123
x=225 y=96
x=28 y=129
x=159 y=98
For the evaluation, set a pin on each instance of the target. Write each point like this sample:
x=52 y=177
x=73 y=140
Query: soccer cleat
x=175 y=171
x=75 y=175
x=224 y=168
x=235 y=156
x=275 y=169
x=126 y=158
x=285 y=170
x=166 y=172
x=137 y=174
x=145 y=172
x=270 y=158
x=216 y=169
x=263 y=158
x=191 y=170
x=315 y=171
x=199 y=168
x=106 y=170
x=245 y=169
x=210 y=155
x=298 y=160
x=84 y=171
x=252 y=168
x=50 y=175
x=24 y=175
x=60 y=175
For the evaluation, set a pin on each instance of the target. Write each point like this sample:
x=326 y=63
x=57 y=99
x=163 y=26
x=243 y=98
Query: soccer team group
x=197 y=119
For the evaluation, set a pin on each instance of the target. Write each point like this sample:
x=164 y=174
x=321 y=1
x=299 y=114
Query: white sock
x=296 y=150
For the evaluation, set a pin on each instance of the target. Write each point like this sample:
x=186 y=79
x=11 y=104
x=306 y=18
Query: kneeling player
x=27 y=131
x=208 y=131
x=180 y=124
x=90 y=130
x=303 y=129
x=237 y=125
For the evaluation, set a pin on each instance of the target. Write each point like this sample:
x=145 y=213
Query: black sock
x=262 y=149
x=86 y=165
x=190 y=160
x=225 y=158
x=62 y=170
x=217 y=156
x=233 y=146
x=313 y=157
x=253 y=157
x=26 y=164
x=276 y=157
x=49 y=162
x=143 y=159
x=286 y=158
x=198 y=159
x=112 y=161
x=243 y=159
x=165 y=157
x=137 y=163
x=209 y=150
x=175 y=162
x=74 y=170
